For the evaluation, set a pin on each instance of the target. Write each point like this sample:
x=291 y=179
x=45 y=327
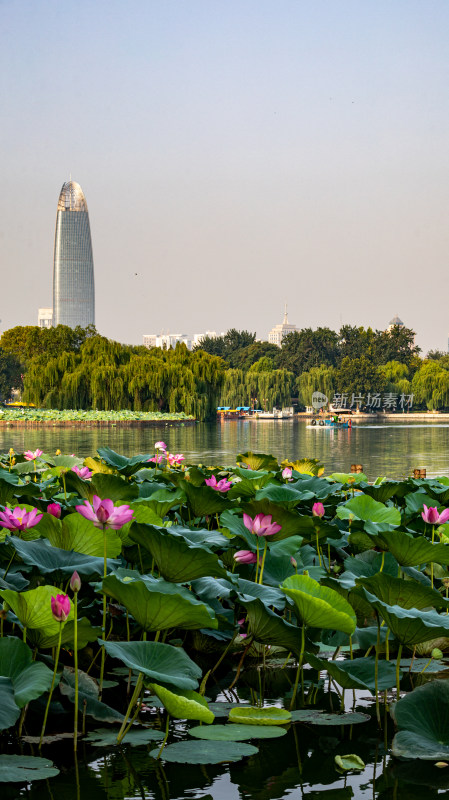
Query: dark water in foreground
x=392 y=449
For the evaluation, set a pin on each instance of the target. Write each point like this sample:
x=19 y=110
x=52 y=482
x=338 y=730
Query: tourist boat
x=276 y=413
x=226 y=412
x=331 y=422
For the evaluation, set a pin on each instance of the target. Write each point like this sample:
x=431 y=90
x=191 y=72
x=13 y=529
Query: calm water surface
x=392 y=449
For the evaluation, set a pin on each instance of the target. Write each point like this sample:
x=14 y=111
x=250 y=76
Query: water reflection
x=388 y=449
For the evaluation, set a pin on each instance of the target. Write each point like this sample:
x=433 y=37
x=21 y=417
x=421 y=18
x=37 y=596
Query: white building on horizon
x=166 y=340
x=396 y=321
x=277 y=333
x=45 y=318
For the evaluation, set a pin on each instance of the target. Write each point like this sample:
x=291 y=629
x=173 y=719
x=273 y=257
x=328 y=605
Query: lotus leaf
x=350 y=762
x=160 y=662
x=268 y=715
x=284 y=496
x=257 y=461
x=269 y=628
x=104 y=737
x=9 y=710
x=410 y=626
x=421 y=717
x=154 y=610
x=33 y=609
x=78 y=534
x=24 y=769
x=366 y=509
x=398 y=592
x=124 y=466
x=29 y=678
x=236 y=732
x=183 y=703
x=317 y=717
x=176 y=560
x=203 y=500
x=409 y=551
x=47 y=558
x=318 y=606
x=201 y=752
x=357 y=673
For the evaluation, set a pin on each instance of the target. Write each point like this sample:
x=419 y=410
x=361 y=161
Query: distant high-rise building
x=277 y=333
x=73 y=270
x=45 y=318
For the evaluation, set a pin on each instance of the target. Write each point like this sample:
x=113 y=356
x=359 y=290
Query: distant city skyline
x=232 y=155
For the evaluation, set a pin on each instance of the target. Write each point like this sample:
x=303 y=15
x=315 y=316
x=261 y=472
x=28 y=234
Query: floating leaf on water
x=104 y=737
x=237 y=732
x=316 y=717
x=24 y=769
x=349 y=762
x=269 y=715
x=223 y=709
x=203 y=752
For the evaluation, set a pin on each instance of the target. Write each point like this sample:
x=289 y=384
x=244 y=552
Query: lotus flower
x=175 y=460
x=318 y=510
x=104 y=514
x=287 y=474
x=20 y=519
x=54 y=509
x=30 y=456
x=220 y=486
x=156 y=459
x=245 y=557
x=432 y=516
x=84 y=473
x=160 y=446
x=261 y=525
x=60 y=607
x=75 y=582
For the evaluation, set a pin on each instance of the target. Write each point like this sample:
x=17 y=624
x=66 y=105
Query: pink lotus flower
x=261 y=525
x=245 y=557
x=60 y=607
x=104 y=514
x=156 y=459
x=175 y=460
x=220 y=486
x=287 y=473
x=75 y=582
x=54 y=509
x=432 y=516
x=160 y=446
x=20 y=519
x=318 y=510
x=30 y=456
x=84 y=473
x=241 y=623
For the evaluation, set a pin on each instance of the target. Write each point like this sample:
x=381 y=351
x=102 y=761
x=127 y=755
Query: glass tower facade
x=73 y=270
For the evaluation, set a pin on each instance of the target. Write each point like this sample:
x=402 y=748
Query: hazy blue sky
x=234 y=155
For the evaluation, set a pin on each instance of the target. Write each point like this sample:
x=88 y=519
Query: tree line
x=77 y=368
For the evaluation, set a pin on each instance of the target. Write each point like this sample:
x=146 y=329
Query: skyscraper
x=73 y=269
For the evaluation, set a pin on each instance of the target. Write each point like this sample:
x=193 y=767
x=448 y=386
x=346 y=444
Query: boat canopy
x=223 y=408
x=242 y=408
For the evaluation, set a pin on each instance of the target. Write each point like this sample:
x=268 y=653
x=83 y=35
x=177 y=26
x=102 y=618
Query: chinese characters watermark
x=388 y=401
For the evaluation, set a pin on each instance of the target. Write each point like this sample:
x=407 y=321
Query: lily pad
x=236 y=732
x=24 y=769
x=202 y=752
x=421 y=717
x=316 y=717
x=223 y=709
x=104 y=737
x=269 y=715
x=350 y=762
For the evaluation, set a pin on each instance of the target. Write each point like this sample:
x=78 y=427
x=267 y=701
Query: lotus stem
x=298 y=671
x=257 y=558
x=398 y=664
x=382 y=561
x=58 y=648
x=165 y=737
x=103 y=651
x=135 y=695
x=263 y=560
x=317 y=530
x=75 y=657
x=376 y=672
x=431 y=563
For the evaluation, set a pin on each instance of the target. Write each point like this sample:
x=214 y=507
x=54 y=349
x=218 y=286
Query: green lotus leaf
x=423 y=664
x=104 y=737
x=86 y=633
x=90 y=705
x=269 y=628
x=47 y=558
x=421 y=718
x=222 y=709
x=268 y=715
x=29 y=678
x=347 y=478
x=357 y=673
x=203 y=500
x=382 y=492
x=248 y=486
x=257 y=461
x=116 y=489
x=410 y=626
x=9 y=710
x=365 y=508
x=409 y=551
x=24 y=769
x=318 y=606
x=124 y=466
x=183 y=704
x=78 y=534
x=154 y=610
x=268 y=595
x=398 y=592
x=350 y=762
x=162 y=500
x=201 y=536
x=236 y=732
x=194 y=751
x=160 y=662
x=177 y=561
x=284 y=496
x=315 y=716
x=33 y=609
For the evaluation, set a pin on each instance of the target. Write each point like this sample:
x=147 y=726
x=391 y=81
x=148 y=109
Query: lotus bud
x=436 y=653
x=318 y=510
x=75 y=582
x=441 y=764
x=54 y=509
x=11 y=451
x=60 y=607
x=293 y=562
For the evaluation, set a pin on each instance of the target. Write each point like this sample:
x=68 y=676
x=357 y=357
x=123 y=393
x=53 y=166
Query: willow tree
x=430 y=385
x=317 y=379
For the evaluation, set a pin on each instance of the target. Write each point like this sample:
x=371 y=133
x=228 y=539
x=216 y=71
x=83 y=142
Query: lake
x=390 y=448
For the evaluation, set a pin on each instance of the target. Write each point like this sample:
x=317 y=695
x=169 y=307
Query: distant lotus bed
x=41 y=415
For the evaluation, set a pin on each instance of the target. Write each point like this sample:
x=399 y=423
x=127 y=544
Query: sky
x=236 y=155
